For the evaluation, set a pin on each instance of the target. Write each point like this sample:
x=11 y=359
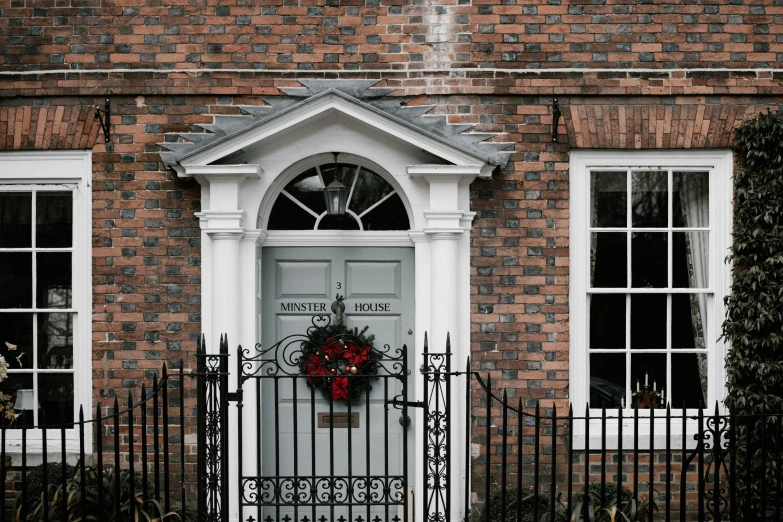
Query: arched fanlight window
x=373 y=204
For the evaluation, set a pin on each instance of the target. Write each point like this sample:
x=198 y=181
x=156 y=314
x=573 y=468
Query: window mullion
x=353 y=185
x=670 y=272
x=34 y=348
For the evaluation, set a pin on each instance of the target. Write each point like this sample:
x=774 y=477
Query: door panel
x=297 y=284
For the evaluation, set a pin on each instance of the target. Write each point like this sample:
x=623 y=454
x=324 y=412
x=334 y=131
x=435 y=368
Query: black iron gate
x=324 y=438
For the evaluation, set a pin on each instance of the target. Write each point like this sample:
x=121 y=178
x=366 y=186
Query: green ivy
x=754 y=308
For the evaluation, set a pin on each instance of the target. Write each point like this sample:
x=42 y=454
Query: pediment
x=356 y=99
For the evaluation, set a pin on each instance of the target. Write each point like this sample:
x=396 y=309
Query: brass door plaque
x=338 y=419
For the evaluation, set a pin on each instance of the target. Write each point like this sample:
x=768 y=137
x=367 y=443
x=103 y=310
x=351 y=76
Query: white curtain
x=694 y=196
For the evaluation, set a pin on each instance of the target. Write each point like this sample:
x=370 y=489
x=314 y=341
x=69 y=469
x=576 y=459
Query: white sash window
x=45 y=315
x=649 y=237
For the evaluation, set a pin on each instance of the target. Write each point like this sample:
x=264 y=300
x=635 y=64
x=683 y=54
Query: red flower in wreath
x=314 y=369
x=356 y=355
x=340 y=388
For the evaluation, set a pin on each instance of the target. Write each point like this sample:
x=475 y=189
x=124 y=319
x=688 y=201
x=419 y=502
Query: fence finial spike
x=81 y=414
x=116 y=405
x=165 y=371
x=448 y=342
x=505 y=396
x=716 y=409
x=554 y=410
x=426 y=343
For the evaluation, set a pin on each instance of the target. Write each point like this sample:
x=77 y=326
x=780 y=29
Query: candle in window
x=663 y=396
x=655 y=385
x=637 y=385
x=646 y=379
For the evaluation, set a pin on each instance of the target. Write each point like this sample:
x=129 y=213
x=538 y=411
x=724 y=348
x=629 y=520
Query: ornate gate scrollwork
x=301 y=486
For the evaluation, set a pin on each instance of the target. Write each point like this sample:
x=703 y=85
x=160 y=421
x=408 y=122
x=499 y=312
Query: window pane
x=648 y=321
x=609 y=199
x=16 y=340
x=307 y=188
x=649 y=260
x=389 y=215
x=15 y=219
x=344 y=171
x=689 y=380
x=17 y=399
x=690 y=259
x=344 y=222
x=53 y=280
x=53 y=219
x=607 y=380
x=607 y=321
x=55 y=340
x=55 y=396
x=609 y=259
x=688 y=320
x=649 y=193
x=16 y=280
x=649 y=366
x=370 y=187
x=287 y=215
x=690 y=201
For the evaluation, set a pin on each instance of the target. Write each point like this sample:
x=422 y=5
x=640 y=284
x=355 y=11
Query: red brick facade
x=379 y=35
x=484 y=62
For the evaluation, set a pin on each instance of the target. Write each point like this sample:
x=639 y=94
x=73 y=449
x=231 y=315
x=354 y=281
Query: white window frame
x=719 y=163
x=66 y=170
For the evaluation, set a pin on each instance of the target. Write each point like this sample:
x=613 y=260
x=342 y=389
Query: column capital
x=441 y=234
x=222 y=224
x=444 y=224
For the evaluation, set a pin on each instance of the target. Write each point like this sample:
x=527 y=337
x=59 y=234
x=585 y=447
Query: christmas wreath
x=338 y=360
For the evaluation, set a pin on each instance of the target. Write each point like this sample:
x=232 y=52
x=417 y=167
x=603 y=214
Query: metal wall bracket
x=103 y=117
x=556 y=113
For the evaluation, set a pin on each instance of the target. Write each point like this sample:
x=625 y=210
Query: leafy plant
x=754 y=309
x=627 y=509
x=528 y=500
x=96 y=497
x=34 y=482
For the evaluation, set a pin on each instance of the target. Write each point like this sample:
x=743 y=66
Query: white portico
x=243 y=172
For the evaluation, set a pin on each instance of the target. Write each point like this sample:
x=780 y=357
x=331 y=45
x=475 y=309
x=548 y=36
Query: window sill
x=637 y=433
x=34 y=452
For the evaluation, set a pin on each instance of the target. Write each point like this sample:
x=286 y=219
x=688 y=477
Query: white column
x=447 y=229
x=223 y=224
x=444 y=287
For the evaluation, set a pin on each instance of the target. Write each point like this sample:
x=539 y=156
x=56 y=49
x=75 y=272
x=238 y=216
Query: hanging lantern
x=336 y=194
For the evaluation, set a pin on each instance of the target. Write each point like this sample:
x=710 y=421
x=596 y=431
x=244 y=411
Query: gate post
x=212 y=417
x=437 y=474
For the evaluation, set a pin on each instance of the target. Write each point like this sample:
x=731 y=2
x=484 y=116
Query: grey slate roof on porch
x=360 y=92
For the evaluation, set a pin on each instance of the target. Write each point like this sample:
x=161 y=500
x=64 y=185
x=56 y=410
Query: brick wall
x=389 y=34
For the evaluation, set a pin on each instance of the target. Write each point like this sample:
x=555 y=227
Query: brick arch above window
x=652 y=126
x=62 y=127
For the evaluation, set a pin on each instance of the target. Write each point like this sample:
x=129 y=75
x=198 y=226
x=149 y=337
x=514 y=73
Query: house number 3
x=339 y=285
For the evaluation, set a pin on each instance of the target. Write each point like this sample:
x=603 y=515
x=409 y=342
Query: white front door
x=322 y=467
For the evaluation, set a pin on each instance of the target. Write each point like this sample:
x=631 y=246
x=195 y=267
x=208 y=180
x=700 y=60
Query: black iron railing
x=127 y=462
x=543 y=463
